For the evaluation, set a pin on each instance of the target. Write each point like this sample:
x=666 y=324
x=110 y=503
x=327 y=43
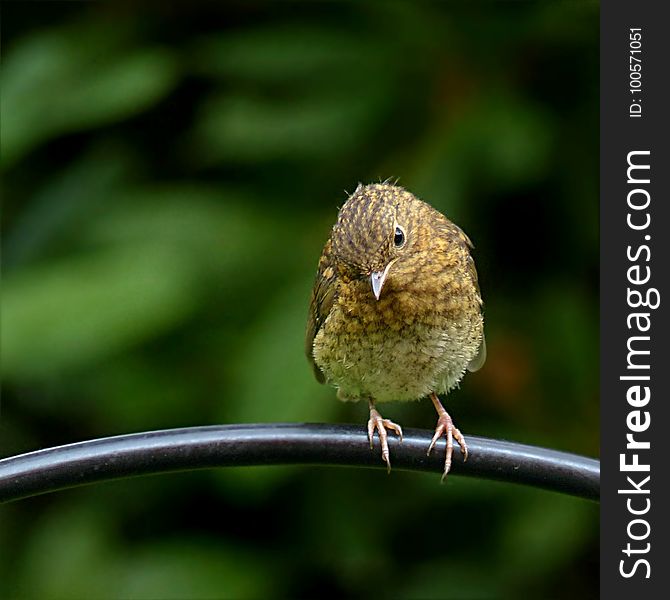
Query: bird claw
x=378 y=423
x=445 y=426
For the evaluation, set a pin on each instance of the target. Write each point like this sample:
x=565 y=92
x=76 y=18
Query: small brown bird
x=395 y=312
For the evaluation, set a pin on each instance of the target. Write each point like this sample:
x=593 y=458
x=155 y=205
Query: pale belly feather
x=387 y=365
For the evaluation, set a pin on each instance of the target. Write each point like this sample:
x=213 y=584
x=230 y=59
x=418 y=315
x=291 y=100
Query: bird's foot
x=377 y=422
x=445 y=426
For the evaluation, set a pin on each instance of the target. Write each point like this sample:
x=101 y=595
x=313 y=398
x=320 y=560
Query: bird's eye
x=399 y=237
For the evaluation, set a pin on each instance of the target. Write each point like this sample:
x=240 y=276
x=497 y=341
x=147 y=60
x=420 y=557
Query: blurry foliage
x=170 y=176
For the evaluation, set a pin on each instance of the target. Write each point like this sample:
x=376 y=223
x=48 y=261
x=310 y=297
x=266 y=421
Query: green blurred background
x=170 y=174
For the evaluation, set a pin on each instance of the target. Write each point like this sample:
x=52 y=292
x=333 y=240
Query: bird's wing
x=323 y=296
x=468 y=246
x=480 y=358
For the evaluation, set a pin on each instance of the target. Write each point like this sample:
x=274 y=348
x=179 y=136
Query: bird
x=396 y=310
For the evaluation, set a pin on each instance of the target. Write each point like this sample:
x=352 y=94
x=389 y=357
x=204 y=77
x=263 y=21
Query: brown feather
x=323 y=296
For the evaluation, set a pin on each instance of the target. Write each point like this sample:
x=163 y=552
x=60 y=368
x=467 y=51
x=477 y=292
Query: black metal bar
x=103 y=459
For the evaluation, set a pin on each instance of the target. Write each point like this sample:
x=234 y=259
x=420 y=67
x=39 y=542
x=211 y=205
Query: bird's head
x=375 y=232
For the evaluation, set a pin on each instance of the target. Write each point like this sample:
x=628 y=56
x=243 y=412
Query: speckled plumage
x=426 y=327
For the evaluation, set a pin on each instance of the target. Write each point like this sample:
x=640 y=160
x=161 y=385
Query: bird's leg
x=381 y=425
x=445 y=426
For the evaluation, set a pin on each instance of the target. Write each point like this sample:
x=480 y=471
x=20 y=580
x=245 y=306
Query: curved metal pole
x=103 y=459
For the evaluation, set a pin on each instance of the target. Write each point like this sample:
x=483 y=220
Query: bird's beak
x=377 y=279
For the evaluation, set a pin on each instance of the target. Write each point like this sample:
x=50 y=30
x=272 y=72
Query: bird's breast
x=400 y=347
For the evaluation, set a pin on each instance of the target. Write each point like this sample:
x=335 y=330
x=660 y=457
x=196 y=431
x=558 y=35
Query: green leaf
x=243 y=128
x=55 y=83
x=281 y=54
x=77 y=311
x=193 y=568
